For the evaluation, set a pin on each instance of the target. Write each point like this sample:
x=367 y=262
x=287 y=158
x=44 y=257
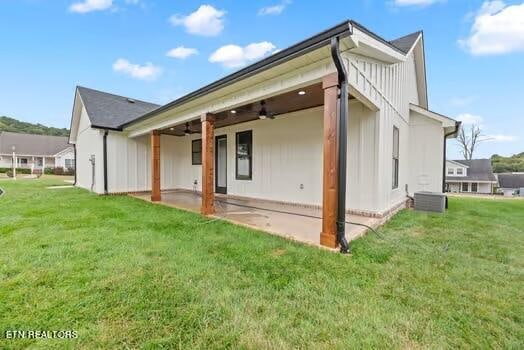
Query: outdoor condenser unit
x=430 y=201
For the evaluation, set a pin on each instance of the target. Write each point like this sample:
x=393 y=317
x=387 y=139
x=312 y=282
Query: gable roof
x=511 y=180
x=32 y=145
x=457 y=163
x=478 y=170
x=107 y=110
x=406 y=42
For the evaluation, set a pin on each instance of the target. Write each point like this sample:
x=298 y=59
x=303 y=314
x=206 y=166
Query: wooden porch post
x=328 y=236
x=208 y=162
x=155 y=166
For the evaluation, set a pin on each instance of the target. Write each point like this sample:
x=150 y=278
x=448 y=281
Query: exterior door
x=221 y=164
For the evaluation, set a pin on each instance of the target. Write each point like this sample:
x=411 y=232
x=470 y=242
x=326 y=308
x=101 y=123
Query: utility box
x=430 y=201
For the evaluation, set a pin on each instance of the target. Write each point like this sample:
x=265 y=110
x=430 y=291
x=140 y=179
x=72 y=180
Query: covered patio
x=296 y=222
x=278 y=135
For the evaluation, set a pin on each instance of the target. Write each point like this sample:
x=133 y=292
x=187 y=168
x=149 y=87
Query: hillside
x=514 y=163
x=13 y=125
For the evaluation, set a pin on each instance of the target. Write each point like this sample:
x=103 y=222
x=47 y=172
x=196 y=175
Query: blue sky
x=159 y=50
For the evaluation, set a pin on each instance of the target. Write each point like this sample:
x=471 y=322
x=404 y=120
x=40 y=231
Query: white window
x=460 y=171
x=474 y=187
x=395 y=163
x=69 y=163
x=451 y=171
x=465 y=187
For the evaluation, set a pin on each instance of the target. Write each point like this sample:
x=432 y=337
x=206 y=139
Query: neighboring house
x=269 y=131
x=35 y=152
x=511 y=184
x=470 y=176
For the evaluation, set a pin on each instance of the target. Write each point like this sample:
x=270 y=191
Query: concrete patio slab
x=298 y=223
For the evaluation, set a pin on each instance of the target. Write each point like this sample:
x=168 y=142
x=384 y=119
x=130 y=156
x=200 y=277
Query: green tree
x=14 y=125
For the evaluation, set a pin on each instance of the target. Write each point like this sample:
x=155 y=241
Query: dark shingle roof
x=32 y=145
x=479 y=170
x=106 y=110
x=511 y=180
x=405 y=43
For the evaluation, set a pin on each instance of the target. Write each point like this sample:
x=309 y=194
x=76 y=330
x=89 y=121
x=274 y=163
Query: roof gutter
x=321 y=39
x=105 y=161
x=74 y=150
x=457 y=127
x=342 y=143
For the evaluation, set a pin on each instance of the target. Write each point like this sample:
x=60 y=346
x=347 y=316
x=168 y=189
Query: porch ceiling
x=277 y=105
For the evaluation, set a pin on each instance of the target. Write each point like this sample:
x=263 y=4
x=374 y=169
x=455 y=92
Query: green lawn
x=125 y=273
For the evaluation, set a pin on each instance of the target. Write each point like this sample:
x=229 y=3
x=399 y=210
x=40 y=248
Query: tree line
x=14 y=125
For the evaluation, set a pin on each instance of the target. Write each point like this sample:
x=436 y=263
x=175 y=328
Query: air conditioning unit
x=430 y=201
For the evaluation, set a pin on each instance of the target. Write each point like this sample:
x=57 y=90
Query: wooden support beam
x=155 y=166
x=328 y=236
x=208 y=162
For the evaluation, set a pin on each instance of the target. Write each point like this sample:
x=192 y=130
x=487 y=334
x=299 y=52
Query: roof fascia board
x=65 y=150
x=419 y=56
x=446 y=121
x=75 y=118
x=376 y=48
x=454 y=162
x=294 y=79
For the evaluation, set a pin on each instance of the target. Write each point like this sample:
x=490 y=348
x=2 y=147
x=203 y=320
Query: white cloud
x=206 y=21
x=181 y=52
x=500 y=138
x=468 y=119
x=91 y=5
x=142 y=72
x=232 y=56
x=275 y=9
x=415 y=2
x=497 y=29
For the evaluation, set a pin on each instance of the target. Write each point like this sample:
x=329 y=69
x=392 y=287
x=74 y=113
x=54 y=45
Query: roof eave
x=307 y=45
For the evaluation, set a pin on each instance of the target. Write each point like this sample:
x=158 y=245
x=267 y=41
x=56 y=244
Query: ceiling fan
x=263 y=113
x=188 y=131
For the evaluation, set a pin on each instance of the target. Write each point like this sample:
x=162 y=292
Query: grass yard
x=124 y=273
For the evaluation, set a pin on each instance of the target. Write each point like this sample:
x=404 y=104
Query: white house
x=270 y=131
x=470 y=176
x=35 y=152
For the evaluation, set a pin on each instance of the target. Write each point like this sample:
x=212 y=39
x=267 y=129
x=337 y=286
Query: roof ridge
x=112 y=94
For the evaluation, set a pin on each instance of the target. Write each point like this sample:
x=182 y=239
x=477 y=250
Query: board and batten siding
x=390 y=87
x=89 y=142
x=287 y=159
x=425 y=151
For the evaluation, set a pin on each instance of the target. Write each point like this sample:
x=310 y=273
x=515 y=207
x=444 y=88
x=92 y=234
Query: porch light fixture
x=171 y=129
x=262 y=114
x=233 y=111
x=301 y=92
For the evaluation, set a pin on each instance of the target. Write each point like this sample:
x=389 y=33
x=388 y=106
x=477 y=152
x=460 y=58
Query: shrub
x=23 y=171
x=58 y=171
x=48 y=171
x=18 y=171
x=9 y=173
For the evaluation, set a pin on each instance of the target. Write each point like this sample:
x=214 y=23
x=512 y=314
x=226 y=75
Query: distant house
x=470 y=176
x=35 y=152
x=511 y=184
